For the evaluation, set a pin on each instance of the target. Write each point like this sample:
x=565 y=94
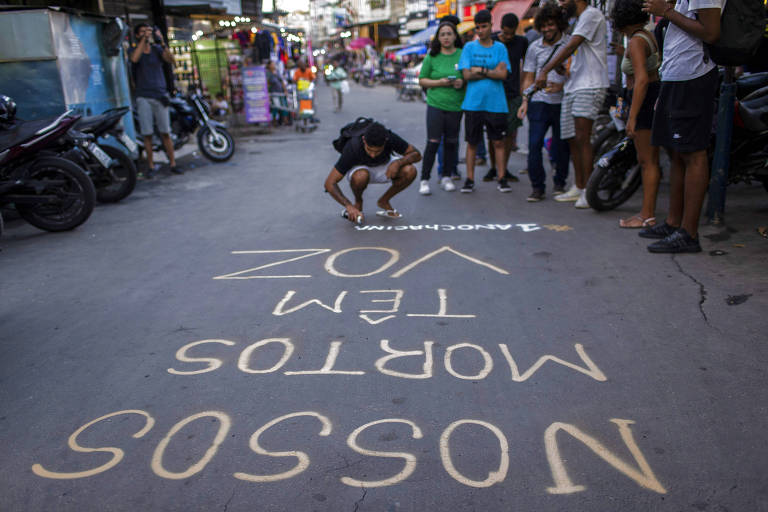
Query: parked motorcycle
x=112 y=171
x=617 y=174
x=49 y=192
x=190 y=114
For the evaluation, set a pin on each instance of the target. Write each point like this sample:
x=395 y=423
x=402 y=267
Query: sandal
x=629 y=223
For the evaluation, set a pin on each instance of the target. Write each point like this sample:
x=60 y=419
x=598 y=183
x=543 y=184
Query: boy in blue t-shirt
x=484 y=64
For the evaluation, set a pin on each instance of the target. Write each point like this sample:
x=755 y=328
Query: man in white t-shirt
x=585 y=89
x=683 y=118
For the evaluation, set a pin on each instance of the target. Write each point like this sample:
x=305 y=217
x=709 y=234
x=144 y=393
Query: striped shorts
x=582 y=103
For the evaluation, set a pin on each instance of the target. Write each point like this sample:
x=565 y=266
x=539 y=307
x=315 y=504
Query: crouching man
x=368 y=158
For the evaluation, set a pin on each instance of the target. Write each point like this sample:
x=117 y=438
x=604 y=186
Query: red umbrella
x=361 y=42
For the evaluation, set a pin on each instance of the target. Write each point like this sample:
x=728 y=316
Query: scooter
x=112 y=171
x=190 y=114
x=617 y=174
x=49 y=192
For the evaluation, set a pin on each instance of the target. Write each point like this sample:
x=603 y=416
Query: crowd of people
x=559 y=82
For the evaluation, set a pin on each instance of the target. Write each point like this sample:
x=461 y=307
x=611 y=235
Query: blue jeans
x=542 y=116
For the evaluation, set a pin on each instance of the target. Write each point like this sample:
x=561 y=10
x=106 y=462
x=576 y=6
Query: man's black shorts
x=474 y=121
x=684 y=113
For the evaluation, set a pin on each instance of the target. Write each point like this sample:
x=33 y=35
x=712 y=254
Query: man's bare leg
x=676 y=189
x=148 y=151
x=584 y=148
x=471 y=154
x=498 y=151
x=358 y=183
x=168 y=145
x=400 y=182
x=696 y=184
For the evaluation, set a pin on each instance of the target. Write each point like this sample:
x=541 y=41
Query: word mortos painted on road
x=275 y=355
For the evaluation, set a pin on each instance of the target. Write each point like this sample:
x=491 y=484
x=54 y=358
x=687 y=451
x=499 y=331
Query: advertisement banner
x=256 y=95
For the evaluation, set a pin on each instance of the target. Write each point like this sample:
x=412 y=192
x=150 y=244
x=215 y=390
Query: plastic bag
x=344 y=87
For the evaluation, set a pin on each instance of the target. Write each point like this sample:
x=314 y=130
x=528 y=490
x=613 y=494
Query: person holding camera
x=152 y=91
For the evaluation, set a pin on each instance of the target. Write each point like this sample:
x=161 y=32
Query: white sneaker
x=447 y=184
x=573 y=194
x=582 y=201
x=424 y=188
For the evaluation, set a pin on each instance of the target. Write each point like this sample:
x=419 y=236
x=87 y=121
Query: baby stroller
x=303 y=103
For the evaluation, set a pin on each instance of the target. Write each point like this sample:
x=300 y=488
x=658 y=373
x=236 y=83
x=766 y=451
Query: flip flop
x=389 y=214
x=624 y=223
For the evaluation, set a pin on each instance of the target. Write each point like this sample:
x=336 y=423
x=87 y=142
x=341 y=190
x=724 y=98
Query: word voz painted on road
x=399 y=360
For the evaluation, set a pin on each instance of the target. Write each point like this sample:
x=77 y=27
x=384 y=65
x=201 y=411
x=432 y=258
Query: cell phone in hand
x=451 y=78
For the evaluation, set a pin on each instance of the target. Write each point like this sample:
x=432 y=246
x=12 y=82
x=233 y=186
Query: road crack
x=226 y=505
x=358 y=502
x=702 y=289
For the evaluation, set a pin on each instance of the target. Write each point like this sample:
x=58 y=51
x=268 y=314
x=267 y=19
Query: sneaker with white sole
x=581 y=202
x=424 y=188
x=469 y=186
x=447 y=184
x=573 y=194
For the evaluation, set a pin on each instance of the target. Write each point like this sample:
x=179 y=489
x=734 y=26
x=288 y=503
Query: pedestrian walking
x=640 y=64
x=152 y=98
x=368 y=158
x=516 y=47
x=445 y=94
x=484 y=64
x=682 y=121
x=337 y=79
x=543 y=106
x=585 y=89
x=281 y=113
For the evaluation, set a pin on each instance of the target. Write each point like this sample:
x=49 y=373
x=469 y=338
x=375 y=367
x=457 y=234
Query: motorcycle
x=617 y=174
x=112 y=171
x=49 y=192
x=190 y=114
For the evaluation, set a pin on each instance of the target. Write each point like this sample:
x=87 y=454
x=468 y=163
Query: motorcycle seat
x=751 y=83
x=753 y=110
x=92 y=123
x=13 y=134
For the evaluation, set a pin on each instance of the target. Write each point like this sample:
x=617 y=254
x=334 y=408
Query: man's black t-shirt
x=516 y=49
x=354 y=154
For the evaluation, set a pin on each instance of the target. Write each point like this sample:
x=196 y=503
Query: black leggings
x=441 y=124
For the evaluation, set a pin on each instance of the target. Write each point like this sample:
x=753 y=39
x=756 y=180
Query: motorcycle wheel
x=77 y=196
x=609 y=187
x=123 y=177
x=220 y=152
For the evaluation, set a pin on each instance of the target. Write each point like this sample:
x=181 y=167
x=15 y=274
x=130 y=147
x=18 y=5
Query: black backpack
x=742 y=25
x=348 y=131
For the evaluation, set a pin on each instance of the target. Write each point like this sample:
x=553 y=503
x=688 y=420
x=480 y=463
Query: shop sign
x=256 y=95
x=470 y=10
x=445 y=8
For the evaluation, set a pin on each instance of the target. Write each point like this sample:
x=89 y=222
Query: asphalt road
x=223 y=340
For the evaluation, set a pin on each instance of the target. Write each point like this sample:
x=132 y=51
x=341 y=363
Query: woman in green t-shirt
x=445 y=92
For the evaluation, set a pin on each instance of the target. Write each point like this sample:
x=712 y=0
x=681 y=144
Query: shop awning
x=465 y=26
x=412 y=50
x=424 y=36
x=361 y=42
